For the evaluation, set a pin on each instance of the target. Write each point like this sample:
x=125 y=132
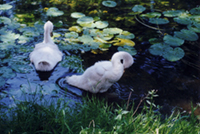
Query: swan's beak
x=51 y=34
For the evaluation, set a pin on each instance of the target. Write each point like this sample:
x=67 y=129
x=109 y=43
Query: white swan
x=101 y=76
x=46 y=54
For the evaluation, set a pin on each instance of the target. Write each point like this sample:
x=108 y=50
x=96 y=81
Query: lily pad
x=85 y=19
x=24 y=39
x=101 y=24
x=109 y=3
x=151 y=14
x=5 y=20
x=172 y=13
x=123 y=42
x=158 y=21
x=183 y=20
x=85 y=39
x=76 y=29
x=7 y=72
x=71 y=35
x=126 y=35
x=195 y=10
x=5 y=6
x=8 y=45
x=77 y=15
x=194 y=27
x=129 y=49
x=138 y=8
x=173 y=41
x=155 y=40
x=158 y=49
x=9 y=36
x=112 y=31
x=2 y=83
x=54 y=12
x=173 y=54
x=186 y=35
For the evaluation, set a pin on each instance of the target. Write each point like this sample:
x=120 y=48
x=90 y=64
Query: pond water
x=178 y=83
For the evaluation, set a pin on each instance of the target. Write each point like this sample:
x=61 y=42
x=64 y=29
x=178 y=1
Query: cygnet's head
x=49 y=26
x=124 y=58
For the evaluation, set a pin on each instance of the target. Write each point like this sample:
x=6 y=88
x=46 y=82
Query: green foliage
x=93 y=115
x=186 y=35
x=138 y=8
x=5 y=6
x=54 y=12
x=158 y=21
x=109 y=3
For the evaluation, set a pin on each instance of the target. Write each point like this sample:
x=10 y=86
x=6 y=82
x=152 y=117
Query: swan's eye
x=122 y=61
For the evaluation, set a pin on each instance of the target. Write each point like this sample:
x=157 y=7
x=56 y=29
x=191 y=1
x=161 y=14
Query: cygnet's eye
x=122 y=61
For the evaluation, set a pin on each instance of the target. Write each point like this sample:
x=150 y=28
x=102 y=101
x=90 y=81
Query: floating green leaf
x=6 y=72
x=186 y=35
x=54 y=12
x=129 y=49
x=173 y=54
x=2 y=83
x=173 y=41
x=85 y=39
x=158 y=21
x=138 y=8
x=151 y=15
x=101 y=24
x=195 y=10
x=77 y=15
x=122 y=42
x=71 y=35
x=5 y=6
x=126 y=35
x=155 y=40
x=76 y=29
x=112 y=31
x=85 y=19
x=158 y=49
x=172 y=13
x=194 y=27
x=183 y=20
x=9 y=36
x=109 y=3
x=5 y=20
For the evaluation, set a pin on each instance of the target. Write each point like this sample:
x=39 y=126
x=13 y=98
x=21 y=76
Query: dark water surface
x=178 y=83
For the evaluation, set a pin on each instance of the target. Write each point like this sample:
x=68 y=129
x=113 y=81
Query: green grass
x=94 y=115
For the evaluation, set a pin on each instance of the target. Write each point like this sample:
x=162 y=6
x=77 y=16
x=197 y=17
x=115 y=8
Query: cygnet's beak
x=51 y=34
x=124 y=71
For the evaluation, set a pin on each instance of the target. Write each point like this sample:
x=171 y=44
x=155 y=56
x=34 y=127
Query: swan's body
x=46 y=54
x=101 y=76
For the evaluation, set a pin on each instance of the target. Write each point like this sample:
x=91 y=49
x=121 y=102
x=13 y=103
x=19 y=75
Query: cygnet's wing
x=102 y=67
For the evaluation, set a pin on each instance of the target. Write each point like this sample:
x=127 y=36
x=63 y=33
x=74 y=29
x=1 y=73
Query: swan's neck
x=47 y=36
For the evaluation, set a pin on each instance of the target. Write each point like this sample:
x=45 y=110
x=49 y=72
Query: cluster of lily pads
x=169 y=45
x=93 y=34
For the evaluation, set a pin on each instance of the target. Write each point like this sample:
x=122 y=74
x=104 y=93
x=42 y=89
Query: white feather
x=46 y=54
x=101 y=76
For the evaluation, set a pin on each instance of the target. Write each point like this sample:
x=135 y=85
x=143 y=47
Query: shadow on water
x=178 y=83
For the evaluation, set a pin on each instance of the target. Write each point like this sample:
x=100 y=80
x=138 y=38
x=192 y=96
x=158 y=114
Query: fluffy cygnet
x=46 y=54
x=101 y=76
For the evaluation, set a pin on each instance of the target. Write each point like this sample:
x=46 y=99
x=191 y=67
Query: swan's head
x=122 y=58
x=48 y=26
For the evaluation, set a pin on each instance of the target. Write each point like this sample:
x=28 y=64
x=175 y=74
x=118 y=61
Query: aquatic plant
x=160 y=46
x=109 y=3
x=96 y=35
x=54 y=12
x=5 y=6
